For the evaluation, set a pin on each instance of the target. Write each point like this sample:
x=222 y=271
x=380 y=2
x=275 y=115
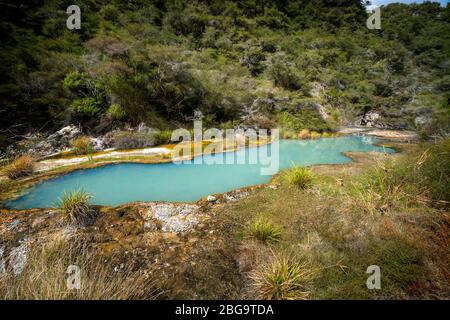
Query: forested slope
x=291 y=64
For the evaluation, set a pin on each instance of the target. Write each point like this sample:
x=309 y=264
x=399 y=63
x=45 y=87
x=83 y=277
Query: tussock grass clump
x=282 y=278
x=75 y=206
x=20 y=167
x=82 y=145
x=299 y=177
x=44 y=275
x=263 y=230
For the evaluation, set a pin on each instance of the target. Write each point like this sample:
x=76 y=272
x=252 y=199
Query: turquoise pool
x=117 y=184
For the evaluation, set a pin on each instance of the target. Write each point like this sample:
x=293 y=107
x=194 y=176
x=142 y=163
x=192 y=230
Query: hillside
x=289 y=64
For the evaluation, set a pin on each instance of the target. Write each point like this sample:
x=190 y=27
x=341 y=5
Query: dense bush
x=160 y=62
x=163 y=137
x=86 y=107
x=116 y=112
x=133 y=140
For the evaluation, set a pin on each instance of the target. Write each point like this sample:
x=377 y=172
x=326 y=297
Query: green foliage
x=116 y=112
x=263 y=230
x=282 y=279
x=303 y=119
x=299 y=177
x=133 y=140
x=76 y=81
x=401 y=263
x=161 y=61
x=75 y=206
x=110 y=12
x=86 y=107
x=416 y=178
x=163 y=137
x=284 y=74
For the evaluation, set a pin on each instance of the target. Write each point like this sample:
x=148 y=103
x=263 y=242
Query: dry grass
x=304 y=134
x=282 y=278
x=44 y=276
x=315 y=135
x=20 y=167
x=82 y=145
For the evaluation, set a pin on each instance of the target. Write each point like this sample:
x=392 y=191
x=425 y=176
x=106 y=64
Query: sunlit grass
x=299 y=177
x=20 y=167
x=282 y=278
x=75 y=207
x=265 y=231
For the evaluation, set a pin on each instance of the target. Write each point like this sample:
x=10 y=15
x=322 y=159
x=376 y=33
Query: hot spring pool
x=120 y=183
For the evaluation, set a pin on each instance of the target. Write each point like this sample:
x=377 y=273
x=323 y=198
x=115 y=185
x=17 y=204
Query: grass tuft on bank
x=282 y=278
x=75 y=206
x=299 y=177
x=265 y=231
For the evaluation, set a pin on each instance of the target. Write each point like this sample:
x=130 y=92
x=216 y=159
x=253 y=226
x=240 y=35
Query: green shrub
x=283 y=278
x=133 y=140
x=20 y=167
x=110 y=12
x=75 y=206
x=76 y=81
x=86 y=107
x=264 y=231
x=401 y=263
x=163 y=137
x=283 y=74
x=82 y=145
x=116 y=112
x=299 y=177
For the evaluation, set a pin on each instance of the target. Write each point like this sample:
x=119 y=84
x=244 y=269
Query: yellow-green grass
x=75 y=207
x=299 y=177
x=332 y=230
x=264 y=230
x=282 y=278
x=82 y=145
